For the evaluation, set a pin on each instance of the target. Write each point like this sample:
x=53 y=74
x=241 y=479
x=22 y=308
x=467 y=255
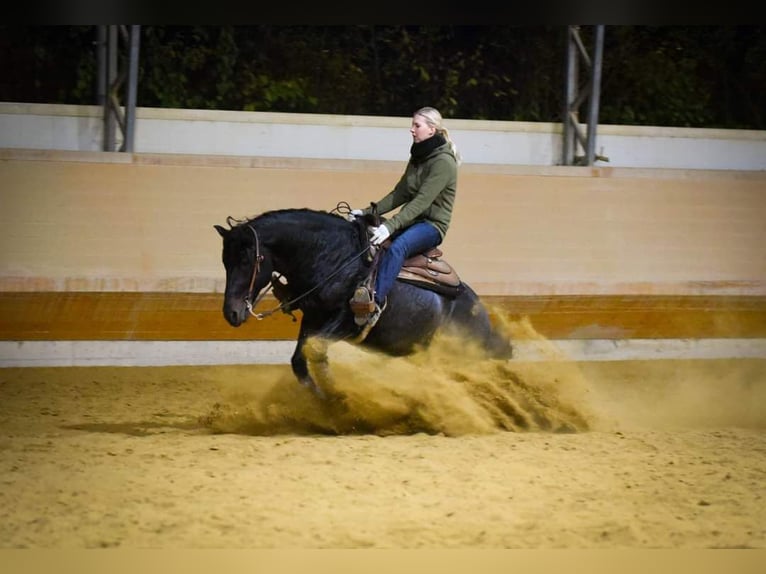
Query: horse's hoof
x=314 y=388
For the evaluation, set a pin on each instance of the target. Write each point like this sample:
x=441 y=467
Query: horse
x=313 y=261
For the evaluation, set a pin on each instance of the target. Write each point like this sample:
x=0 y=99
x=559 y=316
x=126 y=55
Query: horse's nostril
x=231 y=316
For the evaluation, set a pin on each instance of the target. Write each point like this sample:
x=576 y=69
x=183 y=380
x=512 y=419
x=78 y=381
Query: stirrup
x=375 y=315
x=373 y=319
x=362 y=304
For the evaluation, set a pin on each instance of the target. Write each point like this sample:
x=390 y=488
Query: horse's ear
x=221 y=231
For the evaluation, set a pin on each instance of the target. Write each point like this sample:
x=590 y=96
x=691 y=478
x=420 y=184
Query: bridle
x=283 y=305
x=249 y=303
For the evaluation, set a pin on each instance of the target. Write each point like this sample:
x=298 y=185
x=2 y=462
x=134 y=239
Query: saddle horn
x=374 y=213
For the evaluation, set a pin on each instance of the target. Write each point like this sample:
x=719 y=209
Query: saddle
x=428 y=270
x=425 y=270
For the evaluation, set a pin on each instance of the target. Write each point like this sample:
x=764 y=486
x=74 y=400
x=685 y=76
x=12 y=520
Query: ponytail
x=434 y=119
x=452 y=145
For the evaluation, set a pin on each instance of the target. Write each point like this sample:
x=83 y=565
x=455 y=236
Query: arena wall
x=112 y=258
x=322 y=136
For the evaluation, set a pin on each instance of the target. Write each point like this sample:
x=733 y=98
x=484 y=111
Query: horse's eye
x=246 y=256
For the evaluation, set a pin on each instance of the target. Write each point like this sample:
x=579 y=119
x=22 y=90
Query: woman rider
x=426 y=195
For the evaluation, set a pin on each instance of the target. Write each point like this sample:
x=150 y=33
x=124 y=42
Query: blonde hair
x=434 y=119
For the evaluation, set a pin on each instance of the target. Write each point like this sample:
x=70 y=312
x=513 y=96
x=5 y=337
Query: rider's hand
x=354 y=213
x=379 y=234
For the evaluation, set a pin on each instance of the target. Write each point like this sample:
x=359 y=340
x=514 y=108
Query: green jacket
x=427 y=192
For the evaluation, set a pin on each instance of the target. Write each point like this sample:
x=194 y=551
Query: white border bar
x=166 y=353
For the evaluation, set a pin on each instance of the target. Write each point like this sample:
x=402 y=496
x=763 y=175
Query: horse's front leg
x=299 y=361
x=315 y=351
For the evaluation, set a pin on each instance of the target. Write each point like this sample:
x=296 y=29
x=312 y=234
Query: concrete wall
x=259 y=134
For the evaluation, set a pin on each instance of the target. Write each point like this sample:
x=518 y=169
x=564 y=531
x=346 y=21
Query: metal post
x=131 y=89
x=568 y=150
x=572 y=132
x=595 y=92
x=110 y=85
x=111 y=76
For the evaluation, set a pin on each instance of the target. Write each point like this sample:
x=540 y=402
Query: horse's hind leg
x=473 y=318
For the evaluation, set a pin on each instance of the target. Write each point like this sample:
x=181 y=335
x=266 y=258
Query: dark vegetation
x=685 y=76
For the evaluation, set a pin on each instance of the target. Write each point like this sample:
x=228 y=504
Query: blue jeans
x=415 y=239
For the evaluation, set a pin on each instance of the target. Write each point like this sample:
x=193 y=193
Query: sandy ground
x=438 y=451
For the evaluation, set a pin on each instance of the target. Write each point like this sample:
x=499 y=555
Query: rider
x=426 y=195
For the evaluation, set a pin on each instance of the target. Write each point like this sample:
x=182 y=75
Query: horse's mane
x=337 y=233
x=291 y=216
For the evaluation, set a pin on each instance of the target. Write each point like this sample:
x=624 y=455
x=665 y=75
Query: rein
x=284 y=306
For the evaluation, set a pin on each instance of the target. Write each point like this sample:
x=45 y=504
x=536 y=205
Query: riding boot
x=362 y=304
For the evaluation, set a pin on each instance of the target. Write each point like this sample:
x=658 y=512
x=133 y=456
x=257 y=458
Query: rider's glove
x=354 y=213
x=379 y=234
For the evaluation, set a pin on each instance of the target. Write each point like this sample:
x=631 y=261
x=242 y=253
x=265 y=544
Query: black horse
x=313 y=260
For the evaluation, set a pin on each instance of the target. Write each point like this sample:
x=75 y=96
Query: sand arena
x=439 y=451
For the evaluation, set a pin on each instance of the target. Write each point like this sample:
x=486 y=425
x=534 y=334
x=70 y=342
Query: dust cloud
x=450 y=388
x=679 y=394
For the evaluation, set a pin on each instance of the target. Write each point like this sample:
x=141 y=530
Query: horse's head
x=248 y=270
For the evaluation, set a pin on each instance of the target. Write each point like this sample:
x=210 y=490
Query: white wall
x=174 y=131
